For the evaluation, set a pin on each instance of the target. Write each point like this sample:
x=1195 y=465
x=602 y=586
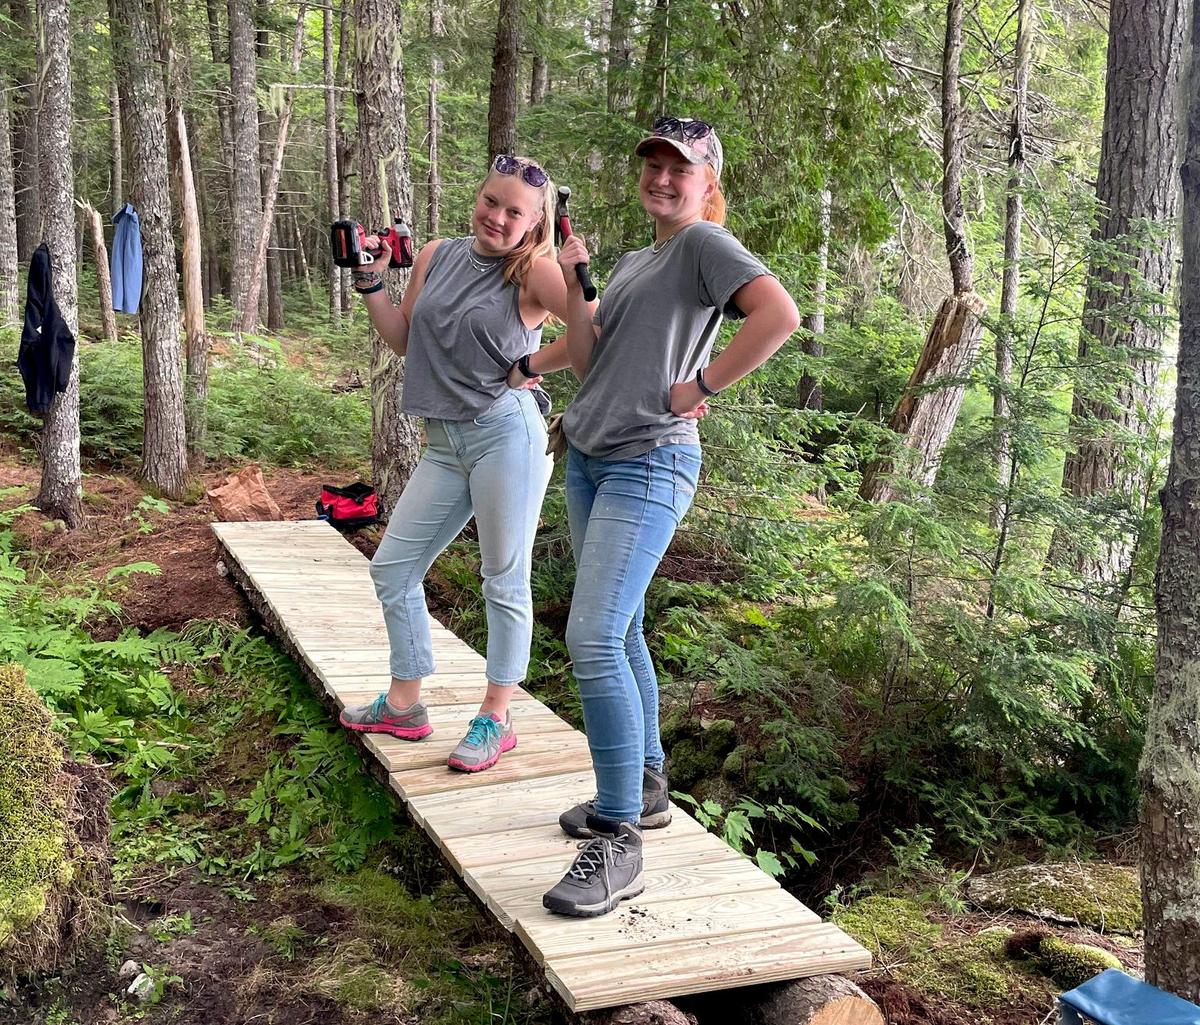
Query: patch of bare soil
x=117 y=531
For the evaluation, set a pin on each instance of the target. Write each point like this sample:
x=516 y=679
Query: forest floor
x=392 y=942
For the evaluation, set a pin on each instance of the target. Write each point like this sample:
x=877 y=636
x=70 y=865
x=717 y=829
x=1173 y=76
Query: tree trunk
x=652 y=91
x=245 y=185
x=164 y=444
x=502 y=100
x=103 y=275
x=818 y=1000
x=649 y=1012
x=539 y=78
x=300 y=256
x=437 y=32
x=266 y=228
x=117 y=196
x=808 y=392
x=61 y=490
x=1011 y=289
x=331 y=176
x=196 y=344
x=27 y=189
x=9 y=297
x=620 y=50
x=927 y=411
x=386 y=186
x=1170 y=767
x=1137 y=183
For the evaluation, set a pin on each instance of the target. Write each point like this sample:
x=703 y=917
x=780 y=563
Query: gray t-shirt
x=658 y=317
x=465 y=335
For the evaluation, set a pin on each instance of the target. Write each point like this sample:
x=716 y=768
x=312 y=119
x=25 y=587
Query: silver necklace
x=482 y=263
x=658 y=247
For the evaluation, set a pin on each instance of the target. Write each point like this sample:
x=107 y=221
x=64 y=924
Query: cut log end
x=819 y=1000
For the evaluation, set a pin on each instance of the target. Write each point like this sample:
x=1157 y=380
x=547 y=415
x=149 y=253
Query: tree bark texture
x=649 y=1012
x=9 y=298
x=652 y=91
x=808 y=392
x=266 y=229
x=61 y=490
x=539 y=77
x=164 y=441
x=929 y=407
x=244 y=186
x=103 y=274
x=334 y=275
x=437 y=34
x=386 y=187
x=195 y=386
x=26 y=156
x=1137 y=181
x=502 y=99
x=117 y=180
x=1170 y=766
x=347 y=143
x=620 y=51
x=1014 y=214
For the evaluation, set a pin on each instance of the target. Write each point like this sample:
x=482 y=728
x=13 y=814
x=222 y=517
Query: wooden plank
x=508 y=806
x=400 y=756
x=589 y=981
x=416 y=782
x=432 y=695
x=670 y=916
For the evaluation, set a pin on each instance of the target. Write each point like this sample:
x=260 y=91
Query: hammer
x=563 y=232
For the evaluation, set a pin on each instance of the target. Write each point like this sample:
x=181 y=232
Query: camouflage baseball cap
x=695 y=141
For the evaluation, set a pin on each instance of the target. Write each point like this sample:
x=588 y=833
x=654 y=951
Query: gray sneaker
x=380 y=716
x=487 y=738
x=606 y=871
x=656 y=808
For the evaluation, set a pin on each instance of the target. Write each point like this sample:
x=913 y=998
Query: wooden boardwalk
x=709 y=919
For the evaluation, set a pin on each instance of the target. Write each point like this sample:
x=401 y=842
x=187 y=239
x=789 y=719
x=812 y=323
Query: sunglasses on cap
x=684 y=128
x=530 y=173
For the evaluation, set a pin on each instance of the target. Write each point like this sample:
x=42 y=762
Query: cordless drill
x=348 y=240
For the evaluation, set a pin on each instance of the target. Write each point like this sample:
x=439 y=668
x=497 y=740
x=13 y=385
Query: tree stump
x=651 y=1012
x=819 y=1000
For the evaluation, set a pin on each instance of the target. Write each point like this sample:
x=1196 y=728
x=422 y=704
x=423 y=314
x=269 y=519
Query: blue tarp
x=1113 y=998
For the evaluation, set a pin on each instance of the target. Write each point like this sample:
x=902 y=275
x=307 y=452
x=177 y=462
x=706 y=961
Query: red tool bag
x=349 y=507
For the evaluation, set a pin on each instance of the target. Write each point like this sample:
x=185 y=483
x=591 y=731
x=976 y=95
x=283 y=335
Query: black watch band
x=523 y=366
x=704 y=387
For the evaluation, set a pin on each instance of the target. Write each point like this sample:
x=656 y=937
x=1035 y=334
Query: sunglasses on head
x=530 y=173
x=684 y=128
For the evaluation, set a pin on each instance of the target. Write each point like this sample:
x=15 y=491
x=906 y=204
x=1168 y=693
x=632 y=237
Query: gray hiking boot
x=656 y=808
x=606 y=871
x=380 y=716
x=487 y=738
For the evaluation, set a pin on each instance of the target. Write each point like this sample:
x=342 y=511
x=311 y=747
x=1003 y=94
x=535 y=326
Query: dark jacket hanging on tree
x=47 y=345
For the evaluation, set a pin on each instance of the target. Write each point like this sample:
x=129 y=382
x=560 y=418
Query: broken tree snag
x=817 y=1000
x=925 y=414
x=651 y=1012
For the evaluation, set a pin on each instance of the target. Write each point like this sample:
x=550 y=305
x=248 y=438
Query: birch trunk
x=103 y=273
x=195 y=390
x=164 y=443
x=386 y=186
x=9 y=298
x=808 y=392
x=60 y=494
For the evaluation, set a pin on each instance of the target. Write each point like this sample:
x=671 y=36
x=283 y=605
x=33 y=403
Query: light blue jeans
x=623 y=514
x=494 y=468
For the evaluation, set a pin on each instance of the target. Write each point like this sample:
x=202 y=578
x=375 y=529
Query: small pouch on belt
x=557 y=444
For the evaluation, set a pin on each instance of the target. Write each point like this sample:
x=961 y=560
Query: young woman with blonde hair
x=470 y=325
x=633 y=463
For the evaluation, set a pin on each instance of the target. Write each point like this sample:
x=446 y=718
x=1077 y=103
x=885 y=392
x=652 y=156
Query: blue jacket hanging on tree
x=47 y=345
x=127 y=260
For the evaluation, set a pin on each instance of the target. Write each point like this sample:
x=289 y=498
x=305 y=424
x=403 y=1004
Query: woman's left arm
x=771 y=317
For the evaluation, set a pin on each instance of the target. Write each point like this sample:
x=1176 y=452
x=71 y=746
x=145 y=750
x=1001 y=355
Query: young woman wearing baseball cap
x=470 y=325
x=632 y=466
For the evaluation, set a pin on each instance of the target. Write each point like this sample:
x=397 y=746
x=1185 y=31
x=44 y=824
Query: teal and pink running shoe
x=380 y=716
x=486 y=740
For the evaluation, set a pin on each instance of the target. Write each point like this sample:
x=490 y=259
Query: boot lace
x=593 y=855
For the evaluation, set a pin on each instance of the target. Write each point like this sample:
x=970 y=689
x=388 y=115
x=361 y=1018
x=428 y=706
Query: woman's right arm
x=392 y=322
x=581 y=333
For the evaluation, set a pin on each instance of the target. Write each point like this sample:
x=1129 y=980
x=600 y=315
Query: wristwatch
x=704 y=387
x=523 y=366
